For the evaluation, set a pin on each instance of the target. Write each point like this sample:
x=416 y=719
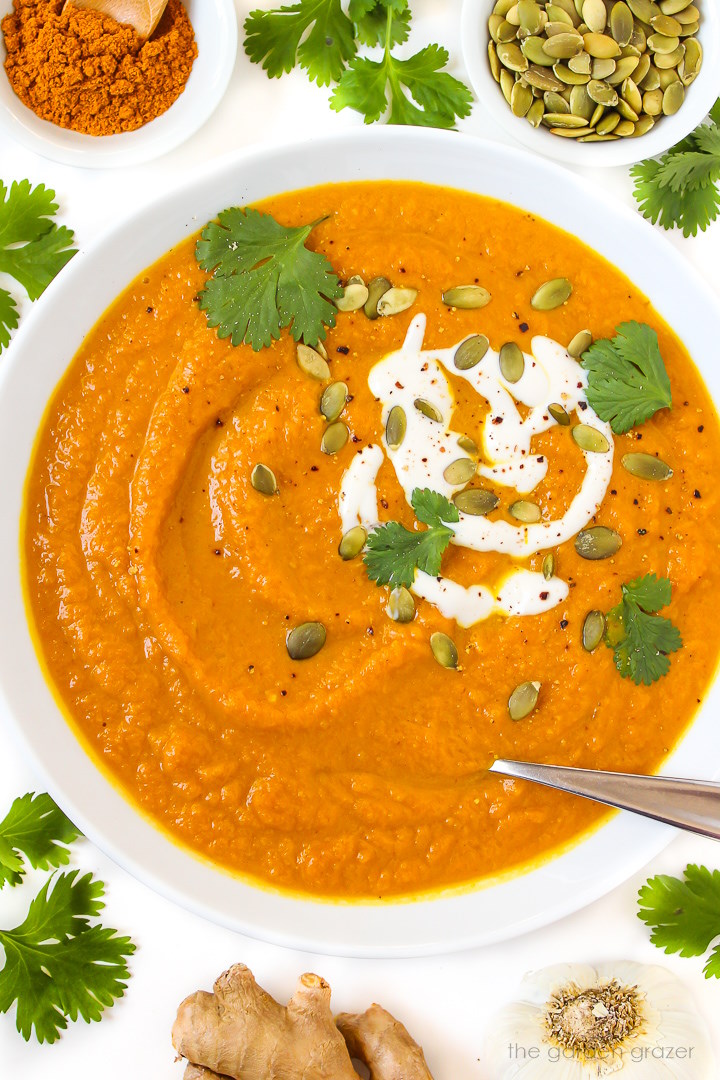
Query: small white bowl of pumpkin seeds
x=594 y=82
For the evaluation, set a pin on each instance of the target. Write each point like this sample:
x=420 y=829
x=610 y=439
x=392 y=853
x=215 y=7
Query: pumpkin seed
x=263 y=480
x=691 y=62
x=530 y=16
x=532 y=47
x=354 y=297
x=401 y=606
x=598 y=138
x=334 y=438
x=376 y=290
x=621 y=23
x=523 y=700
x=625 y=128
x=396 y=300
x=521 y=99
x=646 y=467
x=506 y=84
x=470 y=352
x=593 y=630
x=305 y=640
x=512 y=362
x=333 y=400
x=658 y=43
x=352 y=543
x=580 y=343
x=542 y=79
x=590 y=439
x=468 y=445
x=466 y=297
x=642 y=9
x=494 y=24
x=312 y=363
x=320 y=347
x=602 y=93
x=428 y=409
x=581 y=63
x=548 y=566
x=580 y=102
x=395 y=427
x=570 y=78
x=632 y=95
x=594 y=15
x=666 y=25
x=511 y=57
x=460 y=471
x=623 y=69
x=602 y=68
x=625 y=111
x=598 y=542
x=564 y=120
x=552 y=294
x=527 y=512
x=535 y=113
x=444 y=650
x=559 y=414
x=670 y=7
x=556 y=103
x=644 y=124
x=601 y=45
x=475 y=501
x=608 y=123
x=563 y=46
x=673 y=98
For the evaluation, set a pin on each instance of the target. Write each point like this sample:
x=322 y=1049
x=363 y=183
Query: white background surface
x=446 y=1002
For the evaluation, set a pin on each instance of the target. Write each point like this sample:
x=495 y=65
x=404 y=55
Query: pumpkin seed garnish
x=475 y=501
x=444 y=650
x=401 y=606
x=395 y=427
x=333 y=400
x=523 y=700
x=312 y=363
x=428 y=409
x=548 y=566
x=470 y=352
x=552 y=294
x=598 y=542
x=593 y=630
x=512 y=362
x=352 y=543
x=396 y=300
x=646 y=467
x=527 y=512
x=559 y=414
x=466 y=297
x=376 y=290
x=355 y=296
x=305 y=640
x=334 y=438
x=460 y=471
x=468 y=445
x=590 y=439
x=263 y=480
x=581 y=342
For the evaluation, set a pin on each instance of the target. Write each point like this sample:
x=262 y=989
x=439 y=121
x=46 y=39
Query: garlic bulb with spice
x=576 y=1022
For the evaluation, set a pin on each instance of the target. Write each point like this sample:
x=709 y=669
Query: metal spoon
x=142 y=15
x=693 y=805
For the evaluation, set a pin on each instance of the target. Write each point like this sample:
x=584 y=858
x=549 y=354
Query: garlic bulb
x=576 y=1022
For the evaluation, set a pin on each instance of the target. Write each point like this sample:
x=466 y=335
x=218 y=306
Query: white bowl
x=35 y=362
x=216 y=33
x=668 y=130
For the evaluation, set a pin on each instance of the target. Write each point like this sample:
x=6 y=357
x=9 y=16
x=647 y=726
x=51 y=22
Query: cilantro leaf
x=684 y=914
x=35 y=826
x=640 y=638
x=371 y=21
x=627 y=380
x=57 y=966
x=317 y=34
x=264 y=279
x=33 y=249
x=394 y=553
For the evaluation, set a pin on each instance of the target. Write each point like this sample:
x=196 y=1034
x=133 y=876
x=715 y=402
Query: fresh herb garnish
x=684 y=914
x=627 y=380
x=322 y=39
x=264 y=279
x=680 y=188
x=640 y=638
x=33 y=249
x=395 y=553
x=37 y=828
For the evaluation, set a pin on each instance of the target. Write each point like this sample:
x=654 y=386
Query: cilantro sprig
x=59 y=965
x=33 y=248
x=319 y=37
x=394 y=553
x=680 y=189
x=264 y=279
x=684 y=914
x=627 y=380
x=641 y=639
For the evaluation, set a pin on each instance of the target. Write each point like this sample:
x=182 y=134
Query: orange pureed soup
x=162 y=584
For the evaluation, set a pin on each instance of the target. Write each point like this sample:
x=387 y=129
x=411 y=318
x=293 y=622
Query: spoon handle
x=693 y=805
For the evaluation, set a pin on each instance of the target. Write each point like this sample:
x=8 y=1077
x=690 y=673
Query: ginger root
x=383 y=1044
x=239 y=1032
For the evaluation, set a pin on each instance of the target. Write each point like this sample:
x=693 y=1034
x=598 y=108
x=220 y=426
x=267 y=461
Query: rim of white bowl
x=669 y=130
x=216 y=33
x=38 y=357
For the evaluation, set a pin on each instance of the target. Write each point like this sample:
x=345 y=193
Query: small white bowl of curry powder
x=77 y=87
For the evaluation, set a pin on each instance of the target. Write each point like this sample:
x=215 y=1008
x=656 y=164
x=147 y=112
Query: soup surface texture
x=162 y=583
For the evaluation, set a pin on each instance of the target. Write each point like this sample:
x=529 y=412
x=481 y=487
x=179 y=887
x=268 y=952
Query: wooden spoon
x=142 y=15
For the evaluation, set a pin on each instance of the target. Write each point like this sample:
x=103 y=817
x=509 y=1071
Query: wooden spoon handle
x=142 y=15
